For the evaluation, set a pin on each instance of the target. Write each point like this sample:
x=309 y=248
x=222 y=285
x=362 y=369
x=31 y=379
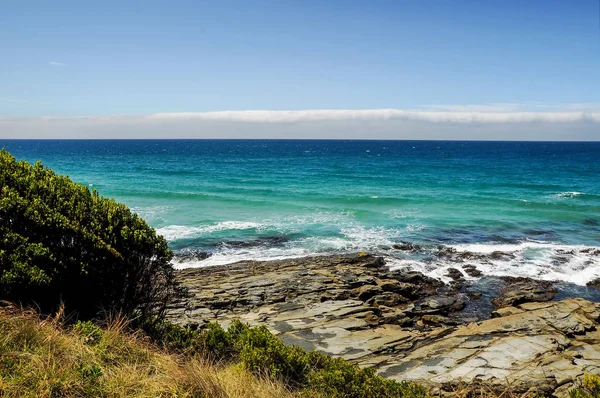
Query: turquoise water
x=538 y=203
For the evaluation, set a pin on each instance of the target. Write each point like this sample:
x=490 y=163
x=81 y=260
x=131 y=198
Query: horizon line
x=294 y=139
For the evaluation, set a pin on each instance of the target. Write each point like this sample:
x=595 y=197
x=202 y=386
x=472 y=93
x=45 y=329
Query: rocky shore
x=404 y=324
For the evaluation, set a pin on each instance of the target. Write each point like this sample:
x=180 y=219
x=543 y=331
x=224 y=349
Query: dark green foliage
x=89 y=372
x=264 y=354
x=59 y=241
x=90 y=332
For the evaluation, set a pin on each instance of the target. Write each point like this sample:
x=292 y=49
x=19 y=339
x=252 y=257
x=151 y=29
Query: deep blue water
x=538 y=202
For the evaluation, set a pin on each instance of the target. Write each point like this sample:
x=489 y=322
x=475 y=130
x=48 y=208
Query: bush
x=89 y=331
x=59 y=241
x=590 y=387
x=264 y=354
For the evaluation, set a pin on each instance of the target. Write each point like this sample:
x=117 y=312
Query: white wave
x=538 y=260
x=487 y=248
x=569 y=194
x=352 y=239
x=534 y=259
x=415 y=227
x=363 y=238
x=576 y=264
x=316 y=217
x=403 y=214
x=287 y=224
x=254 y=254
x=175 y=232
x=434 y=270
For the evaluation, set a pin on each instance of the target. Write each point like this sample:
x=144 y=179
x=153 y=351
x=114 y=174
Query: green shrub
x=90 y=332
x=59 y=241
x=590 y=387
x=89 y=372
x=264 y=354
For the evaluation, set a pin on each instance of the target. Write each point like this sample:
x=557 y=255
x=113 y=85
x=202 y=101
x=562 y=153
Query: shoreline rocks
x=522 y=290
x=402 y=323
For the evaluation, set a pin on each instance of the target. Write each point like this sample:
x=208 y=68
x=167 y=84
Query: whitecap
x=577 y=264
x=175 y=232
x=569 y=194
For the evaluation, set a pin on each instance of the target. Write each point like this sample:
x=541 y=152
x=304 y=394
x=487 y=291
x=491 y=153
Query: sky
x=431 y=69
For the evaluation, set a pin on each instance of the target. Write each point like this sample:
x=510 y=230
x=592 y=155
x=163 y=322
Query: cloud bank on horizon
x=479 y=122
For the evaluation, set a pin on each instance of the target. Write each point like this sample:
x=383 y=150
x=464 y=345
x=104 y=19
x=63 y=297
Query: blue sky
x=77 y=58
x=65 y=58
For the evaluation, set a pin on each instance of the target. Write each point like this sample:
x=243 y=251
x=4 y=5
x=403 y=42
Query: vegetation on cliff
x=62 y=242
x=48 y=358
x=262 y=353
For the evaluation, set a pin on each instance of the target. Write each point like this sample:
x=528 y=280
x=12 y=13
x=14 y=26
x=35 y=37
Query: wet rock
x=440 y=305
x=446 y=251
x=415 y=283
x=498 y=255
x=467 y=256
x=595 y=283
x=410 y=247
x=522 y=290
x=455 y=274
x=262 y=241
x=189 y=256
x=472 y=271
x=591 y=251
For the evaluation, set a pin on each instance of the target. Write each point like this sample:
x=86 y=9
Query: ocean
x=509 y=208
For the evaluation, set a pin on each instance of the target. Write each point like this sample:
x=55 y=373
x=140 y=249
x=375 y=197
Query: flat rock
x=403 y=324
x=537 y=349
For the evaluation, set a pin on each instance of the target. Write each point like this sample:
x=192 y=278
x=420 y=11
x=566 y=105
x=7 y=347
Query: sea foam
x=576 y=264
x=175 y=232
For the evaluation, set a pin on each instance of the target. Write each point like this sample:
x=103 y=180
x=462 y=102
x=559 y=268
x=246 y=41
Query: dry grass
x=44 y=358
x=483 y=392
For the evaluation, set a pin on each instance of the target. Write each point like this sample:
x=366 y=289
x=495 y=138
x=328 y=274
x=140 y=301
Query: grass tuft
x=45 y=358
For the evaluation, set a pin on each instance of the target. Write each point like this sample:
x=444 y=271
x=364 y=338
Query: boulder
x=389 y=299
x=472 y=271
x=523 y=290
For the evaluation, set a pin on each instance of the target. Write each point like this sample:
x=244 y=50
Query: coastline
x=404 y=324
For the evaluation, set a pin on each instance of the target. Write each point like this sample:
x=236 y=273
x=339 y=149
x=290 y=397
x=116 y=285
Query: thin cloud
x=494 y=122
x=461 y=117
x=515 y=107
x=56 y=63
x=14 y=101
x=19 y=101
